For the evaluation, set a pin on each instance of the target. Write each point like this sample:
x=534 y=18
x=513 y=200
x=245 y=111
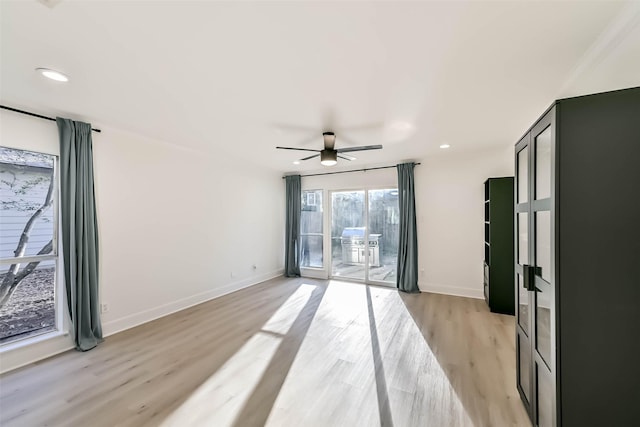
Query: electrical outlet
x=104 y=307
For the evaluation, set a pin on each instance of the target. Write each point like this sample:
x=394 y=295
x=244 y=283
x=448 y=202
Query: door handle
x=529 y=272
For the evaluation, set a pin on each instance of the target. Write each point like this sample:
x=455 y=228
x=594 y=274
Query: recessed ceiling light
x=53 y=74
x=296 y=162
x=445 y=146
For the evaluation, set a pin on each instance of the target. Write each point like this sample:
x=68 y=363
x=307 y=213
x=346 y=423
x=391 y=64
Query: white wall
x=177 y=227
x=450 y=210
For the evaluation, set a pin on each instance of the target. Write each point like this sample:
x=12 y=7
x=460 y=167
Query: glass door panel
x=524 y=366
x=348 y=234
x=543 y=164
x=384 y=223
x=544 y=395
x=523 y=175
x=543 y=244
x=523 y=305
x=543 y=321
x=523 y=238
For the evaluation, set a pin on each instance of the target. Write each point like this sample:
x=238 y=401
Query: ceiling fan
x=329 y=155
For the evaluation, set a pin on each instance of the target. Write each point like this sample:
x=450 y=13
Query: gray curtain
x=79 y=231
x=407 y=272
x=292 y=232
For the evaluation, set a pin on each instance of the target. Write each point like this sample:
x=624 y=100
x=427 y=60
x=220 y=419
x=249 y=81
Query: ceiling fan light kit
x=329 y=155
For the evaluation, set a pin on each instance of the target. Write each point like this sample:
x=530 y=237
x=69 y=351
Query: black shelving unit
x=498 y=245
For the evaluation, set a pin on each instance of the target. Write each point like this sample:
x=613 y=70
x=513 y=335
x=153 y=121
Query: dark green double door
x=535 y=271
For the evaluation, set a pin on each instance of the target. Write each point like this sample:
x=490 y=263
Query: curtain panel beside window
x=407 y=276
x=79 y=231
x=292 y=230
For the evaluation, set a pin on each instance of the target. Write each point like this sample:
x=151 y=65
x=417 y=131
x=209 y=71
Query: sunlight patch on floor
x=335 y=380
x=412 y=369
x=225 y=393
x=331 y=381
x=283 y=319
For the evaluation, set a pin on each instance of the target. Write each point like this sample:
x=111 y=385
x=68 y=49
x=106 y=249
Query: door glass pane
x=523 y=175
x=384 y=220
x=543 y=322
x=543 y=243
x=348 y=234
x=523 y=306
x=523 y=238
x=524 y=362
x=545 y=396
x=311 y=229
x=543 y=164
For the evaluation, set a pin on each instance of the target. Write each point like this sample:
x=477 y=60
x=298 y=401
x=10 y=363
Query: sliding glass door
x=364 y=235
x=348 y=234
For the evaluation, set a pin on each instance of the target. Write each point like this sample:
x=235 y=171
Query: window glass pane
x=543 y=164
x=523 y=175
x=384 y=223
x=311 y=225
x=26 y=203
x=27 y=227
x=31 y=308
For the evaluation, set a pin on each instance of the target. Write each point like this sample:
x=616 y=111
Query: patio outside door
x=364 y=235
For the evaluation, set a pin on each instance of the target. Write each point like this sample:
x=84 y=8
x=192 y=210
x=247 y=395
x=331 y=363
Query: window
x=28 y=244
x=311 y=235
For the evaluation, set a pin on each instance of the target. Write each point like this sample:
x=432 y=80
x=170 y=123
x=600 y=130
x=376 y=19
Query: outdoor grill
x=353 y=247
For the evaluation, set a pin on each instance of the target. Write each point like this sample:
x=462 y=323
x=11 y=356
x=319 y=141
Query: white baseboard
x=452 y=290
x=136 y=319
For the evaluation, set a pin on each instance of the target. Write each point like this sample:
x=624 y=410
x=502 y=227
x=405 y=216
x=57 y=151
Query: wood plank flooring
x=287 y=352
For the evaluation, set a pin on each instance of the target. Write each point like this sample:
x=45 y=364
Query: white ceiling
x=240 y=78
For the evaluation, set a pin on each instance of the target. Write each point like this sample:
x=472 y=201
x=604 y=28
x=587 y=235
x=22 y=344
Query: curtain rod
x=4 y=107
x=355 y=170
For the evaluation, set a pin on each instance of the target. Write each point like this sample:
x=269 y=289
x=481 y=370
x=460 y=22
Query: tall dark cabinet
x=498 y=244
x=577 y=262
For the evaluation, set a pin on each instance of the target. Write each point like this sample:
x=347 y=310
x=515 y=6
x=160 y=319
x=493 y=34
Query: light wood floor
x=287 y=352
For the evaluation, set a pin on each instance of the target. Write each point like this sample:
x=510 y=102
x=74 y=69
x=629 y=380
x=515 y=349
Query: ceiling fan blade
x=299 y=149
x=361 y=148
x=310 y=157
x=345 y=157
